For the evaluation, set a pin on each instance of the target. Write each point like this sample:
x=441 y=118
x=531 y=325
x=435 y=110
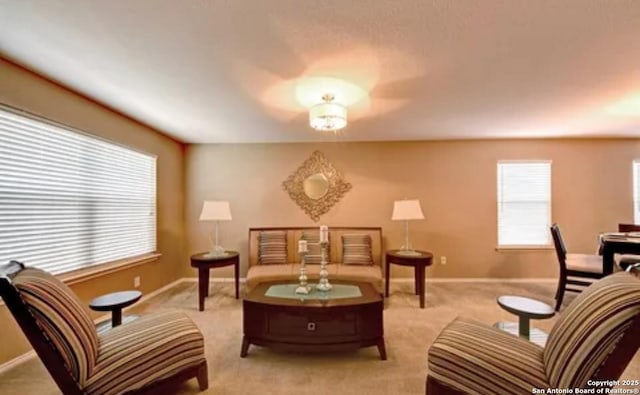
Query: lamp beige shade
x=215 y=211
x=404 y=210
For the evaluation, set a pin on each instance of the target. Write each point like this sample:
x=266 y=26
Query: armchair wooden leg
x=203 y=377
x=434 y=387
x=562 y=284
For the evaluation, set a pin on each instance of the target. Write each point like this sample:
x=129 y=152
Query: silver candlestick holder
x=323 y=284
x=303 y=287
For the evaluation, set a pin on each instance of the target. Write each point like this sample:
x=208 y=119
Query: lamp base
x=324 y=286
x=408 y=252
x=218 y=251
x=303 y=289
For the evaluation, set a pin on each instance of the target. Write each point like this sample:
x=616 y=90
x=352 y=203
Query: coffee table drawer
x=312 y=325
x=315 y=325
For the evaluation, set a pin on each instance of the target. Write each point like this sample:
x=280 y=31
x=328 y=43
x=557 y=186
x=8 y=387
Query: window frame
x=507 y=247
x=635 y=193
x=92 y=270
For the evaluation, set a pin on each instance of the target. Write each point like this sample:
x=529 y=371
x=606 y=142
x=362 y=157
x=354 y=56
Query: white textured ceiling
x=229 y=71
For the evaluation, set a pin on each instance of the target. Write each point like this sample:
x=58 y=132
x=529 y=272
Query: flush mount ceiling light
x=328 y=116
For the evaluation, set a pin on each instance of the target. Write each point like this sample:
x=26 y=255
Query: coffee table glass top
x=339 y=291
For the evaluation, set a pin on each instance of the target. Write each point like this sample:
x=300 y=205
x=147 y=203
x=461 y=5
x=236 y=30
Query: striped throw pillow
x=356 y=249
x=589 y=329
x=314 y=254
x=272 y=247
x=63 y=318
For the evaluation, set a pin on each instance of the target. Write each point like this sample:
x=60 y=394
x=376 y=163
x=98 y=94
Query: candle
x=302 y=246
x=324 y=234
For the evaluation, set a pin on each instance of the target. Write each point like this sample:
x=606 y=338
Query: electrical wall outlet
x=136 y=282
x=443 y=260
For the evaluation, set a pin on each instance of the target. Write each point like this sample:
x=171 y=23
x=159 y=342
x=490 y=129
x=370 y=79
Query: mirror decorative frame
x=294 y=185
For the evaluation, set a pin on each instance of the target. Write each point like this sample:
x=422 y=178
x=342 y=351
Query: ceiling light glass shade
x=328 y=116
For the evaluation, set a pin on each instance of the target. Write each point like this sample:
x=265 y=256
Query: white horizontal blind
x=524 y=203
x=69 y=200
x=636 y=191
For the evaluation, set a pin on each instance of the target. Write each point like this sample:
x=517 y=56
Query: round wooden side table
x=526 y=309
x=115 y=302
x=419 y=262
x=204 y=261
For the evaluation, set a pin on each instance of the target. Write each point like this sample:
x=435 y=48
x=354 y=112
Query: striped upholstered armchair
x=134 y=358
x=594 y=339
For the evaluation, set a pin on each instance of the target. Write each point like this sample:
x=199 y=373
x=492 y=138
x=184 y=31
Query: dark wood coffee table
x=327 y=324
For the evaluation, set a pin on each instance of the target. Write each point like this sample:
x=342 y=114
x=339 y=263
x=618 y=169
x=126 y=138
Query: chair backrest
x=628 y=228
x=55 y=321
x=597 y=335
x=558 y=243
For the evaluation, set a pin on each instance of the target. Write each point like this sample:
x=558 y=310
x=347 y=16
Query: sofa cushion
x=475 y=358
x=272 y=247
x=584 y=263
x=624 y=261
x=146 y=350
x=356 y=249
x=63 y=318
x=588 y=330
x=266 y=273
x=314 y=254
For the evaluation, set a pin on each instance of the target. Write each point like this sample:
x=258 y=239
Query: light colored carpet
x=409 y=331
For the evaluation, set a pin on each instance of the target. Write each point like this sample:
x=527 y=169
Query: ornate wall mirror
x=316 y=185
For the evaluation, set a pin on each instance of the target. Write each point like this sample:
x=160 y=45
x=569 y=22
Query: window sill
x=80 y=275
x=524 y=248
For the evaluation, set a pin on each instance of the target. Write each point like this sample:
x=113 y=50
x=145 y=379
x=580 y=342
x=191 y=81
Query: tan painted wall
x=454 y=180
x=25 y=90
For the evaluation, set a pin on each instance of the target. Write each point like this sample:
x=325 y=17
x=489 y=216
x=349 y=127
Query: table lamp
x=407 y=210
x=216 y=211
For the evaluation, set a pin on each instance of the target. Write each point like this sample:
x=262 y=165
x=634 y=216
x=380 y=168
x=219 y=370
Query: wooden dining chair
x=624 y=261
x=628 y=228
x=577 y=270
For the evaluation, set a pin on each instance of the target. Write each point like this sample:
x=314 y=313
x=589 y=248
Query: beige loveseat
x=261 y=272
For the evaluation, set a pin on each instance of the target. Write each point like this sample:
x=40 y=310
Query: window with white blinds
x=636 y=191
x=69 y=200
x=524 y=203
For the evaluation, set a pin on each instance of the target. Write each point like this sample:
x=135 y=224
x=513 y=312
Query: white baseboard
x=17 y=361
x=242 y=280
x=485 y=280
x=144 y=298
x=410 y=279
x=152 y=294
x=160 y=290
x=25 y=357
x=30 y=354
